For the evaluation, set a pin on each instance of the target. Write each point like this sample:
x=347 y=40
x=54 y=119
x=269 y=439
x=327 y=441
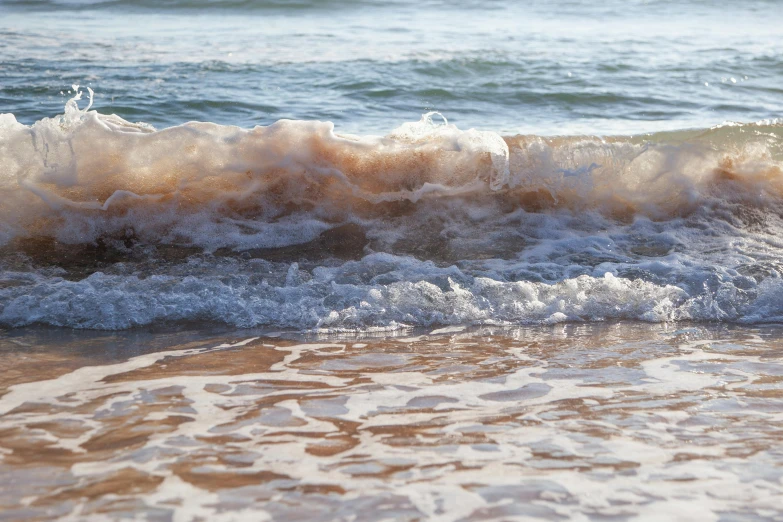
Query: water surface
x=339 y=260
x=620 y=421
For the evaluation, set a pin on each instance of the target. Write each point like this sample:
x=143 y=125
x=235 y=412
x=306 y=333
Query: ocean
x=338 y=260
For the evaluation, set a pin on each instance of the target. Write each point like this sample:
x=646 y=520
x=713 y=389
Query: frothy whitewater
x=109 y=224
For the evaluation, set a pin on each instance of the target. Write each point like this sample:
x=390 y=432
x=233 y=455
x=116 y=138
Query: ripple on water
x=616 y=420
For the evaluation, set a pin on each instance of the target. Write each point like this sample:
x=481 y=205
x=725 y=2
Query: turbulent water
x=532 y=195
x=108 y=224
x=391 y=260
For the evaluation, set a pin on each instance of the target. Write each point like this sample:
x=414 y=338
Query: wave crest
x=84 y=175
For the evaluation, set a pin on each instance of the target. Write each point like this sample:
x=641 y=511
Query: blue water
x=565 y=67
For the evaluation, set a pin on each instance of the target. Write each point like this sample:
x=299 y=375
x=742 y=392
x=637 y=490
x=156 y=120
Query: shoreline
x=619 y=419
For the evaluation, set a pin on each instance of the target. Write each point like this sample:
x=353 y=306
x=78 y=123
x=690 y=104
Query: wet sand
x=622 y=421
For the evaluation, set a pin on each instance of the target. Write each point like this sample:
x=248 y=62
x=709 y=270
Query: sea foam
x=112 y=224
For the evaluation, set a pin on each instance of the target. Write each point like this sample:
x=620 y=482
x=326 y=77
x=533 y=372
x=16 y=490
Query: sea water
x=382 y=200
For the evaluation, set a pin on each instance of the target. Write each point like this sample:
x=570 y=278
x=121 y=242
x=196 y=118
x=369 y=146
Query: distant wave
x=190 y=4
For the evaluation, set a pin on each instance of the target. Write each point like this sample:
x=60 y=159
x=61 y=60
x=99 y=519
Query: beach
x=364 y=260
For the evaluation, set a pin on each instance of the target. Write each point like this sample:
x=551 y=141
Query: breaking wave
x=110 y=224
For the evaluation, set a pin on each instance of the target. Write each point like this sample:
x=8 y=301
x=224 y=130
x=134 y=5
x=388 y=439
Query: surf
x=110 y=224
x=82 y=176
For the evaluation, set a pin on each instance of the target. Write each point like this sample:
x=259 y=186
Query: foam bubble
x=379 y=291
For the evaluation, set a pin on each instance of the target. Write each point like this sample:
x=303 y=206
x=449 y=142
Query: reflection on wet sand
x=591 y=422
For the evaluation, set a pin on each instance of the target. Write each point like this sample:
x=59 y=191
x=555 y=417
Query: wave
x=106 y=223
x=84 y=176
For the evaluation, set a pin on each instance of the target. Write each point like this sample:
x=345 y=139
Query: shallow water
x=614 y=421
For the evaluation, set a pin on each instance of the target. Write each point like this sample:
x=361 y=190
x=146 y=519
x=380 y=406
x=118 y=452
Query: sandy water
x=624 y=421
